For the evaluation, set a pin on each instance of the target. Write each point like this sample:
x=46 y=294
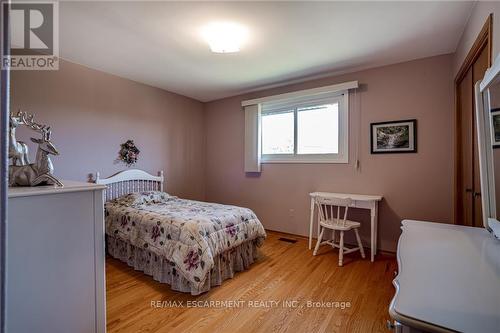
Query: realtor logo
x=34 y=37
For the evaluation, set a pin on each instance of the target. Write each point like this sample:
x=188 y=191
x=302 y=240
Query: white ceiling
x=158 y=43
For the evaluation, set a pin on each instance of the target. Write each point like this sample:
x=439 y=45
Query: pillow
x=140 y=198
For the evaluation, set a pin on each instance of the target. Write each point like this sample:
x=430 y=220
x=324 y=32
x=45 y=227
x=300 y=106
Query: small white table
x=359 y=201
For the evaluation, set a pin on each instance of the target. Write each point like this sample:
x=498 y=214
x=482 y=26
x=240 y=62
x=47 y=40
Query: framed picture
x=495 y=127
x=394 y=137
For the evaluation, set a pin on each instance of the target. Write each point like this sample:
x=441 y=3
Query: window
x=306 y=126
x=308 y=129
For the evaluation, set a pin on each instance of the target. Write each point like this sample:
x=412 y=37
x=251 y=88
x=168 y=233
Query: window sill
x=305 y=161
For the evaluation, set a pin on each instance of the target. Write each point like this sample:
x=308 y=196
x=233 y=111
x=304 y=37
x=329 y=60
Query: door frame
x=4 y=165
x=484 y=39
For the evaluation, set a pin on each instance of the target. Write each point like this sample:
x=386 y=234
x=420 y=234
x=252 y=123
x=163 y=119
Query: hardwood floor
x=285 y=272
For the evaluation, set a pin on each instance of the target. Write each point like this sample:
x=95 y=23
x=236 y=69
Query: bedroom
x=259 y=120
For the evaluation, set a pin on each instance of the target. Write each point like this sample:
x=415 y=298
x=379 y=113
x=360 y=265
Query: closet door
x=466 y=161
x=468 y=209
x=478 y=70
x=470 y=185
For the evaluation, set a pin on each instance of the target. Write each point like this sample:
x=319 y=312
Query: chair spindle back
x=326 y=209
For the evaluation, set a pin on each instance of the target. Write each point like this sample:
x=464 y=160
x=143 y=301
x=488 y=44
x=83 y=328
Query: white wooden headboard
x=129 y=181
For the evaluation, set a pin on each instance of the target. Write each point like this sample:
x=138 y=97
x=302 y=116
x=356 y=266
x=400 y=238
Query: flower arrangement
x=128 y=153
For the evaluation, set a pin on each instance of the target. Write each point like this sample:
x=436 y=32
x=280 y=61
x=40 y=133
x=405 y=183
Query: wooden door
x=478 y=70
x=466 y=128
x=468 y=186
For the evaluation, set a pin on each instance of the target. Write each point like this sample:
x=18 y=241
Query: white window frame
x=253 y=136
x=340 y=97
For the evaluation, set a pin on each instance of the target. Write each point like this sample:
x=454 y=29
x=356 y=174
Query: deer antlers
x=28 y=121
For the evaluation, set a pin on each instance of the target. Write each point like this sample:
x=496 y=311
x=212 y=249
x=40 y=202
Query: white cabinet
x=55 y=259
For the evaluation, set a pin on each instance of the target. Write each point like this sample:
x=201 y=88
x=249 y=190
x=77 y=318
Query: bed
x=190 y=245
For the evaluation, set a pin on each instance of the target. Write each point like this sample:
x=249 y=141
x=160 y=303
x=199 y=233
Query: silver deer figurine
x=18 y=150
x=40 y=172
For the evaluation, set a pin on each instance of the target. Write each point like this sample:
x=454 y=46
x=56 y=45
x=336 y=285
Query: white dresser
x=448 y=280
x=55 y=259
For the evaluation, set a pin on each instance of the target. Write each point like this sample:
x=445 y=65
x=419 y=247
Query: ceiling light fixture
x=225 y=37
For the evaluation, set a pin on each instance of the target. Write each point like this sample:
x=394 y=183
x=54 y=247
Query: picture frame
x=495 y=127
x=394 y=137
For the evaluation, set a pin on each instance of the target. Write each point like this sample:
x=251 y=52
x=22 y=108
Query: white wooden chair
x=327 y=220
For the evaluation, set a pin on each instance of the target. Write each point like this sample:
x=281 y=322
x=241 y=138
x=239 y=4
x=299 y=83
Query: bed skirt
x=226 y=264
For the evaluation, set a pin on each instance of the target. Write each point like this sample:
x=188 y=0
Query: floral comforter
x=185 y=232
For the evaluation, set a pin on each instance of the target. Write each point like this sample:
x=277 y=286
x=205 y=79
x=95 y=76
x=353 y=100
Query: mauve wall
x=92 y=112
x=414 y=186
